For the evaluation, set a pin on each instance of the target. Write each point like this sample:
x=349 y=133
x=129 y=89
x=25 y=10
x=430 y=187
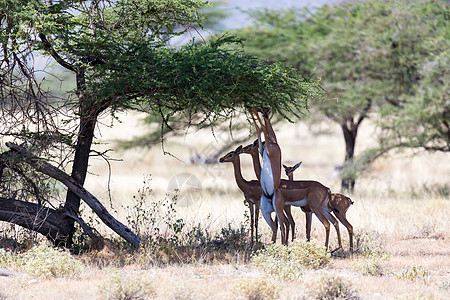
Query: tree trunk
x=80 y=166
x=350 y=130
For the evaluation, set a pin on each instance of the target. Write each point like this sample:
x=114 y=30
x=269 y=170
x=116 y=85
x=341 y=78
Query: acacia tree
x=369 y=54
x=119 y=54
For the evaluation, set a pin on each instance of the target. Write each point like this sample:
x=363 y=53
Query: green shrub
x=43 y=261
x=416 y=272
x=46 y=261
x=331 y=287
x=257 y=289
x=122 y=286
x=288 y=262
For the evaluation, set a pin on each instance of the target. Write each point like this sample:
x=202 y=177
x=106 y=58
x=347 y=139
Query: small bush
x=127 y=287
x=416 y=272
x=47 y=261
x=331 y=287
x=257 y=289
x=370 y=242
x=43 y=261
x=288 y=262
x=370 y=265
x=422 y=295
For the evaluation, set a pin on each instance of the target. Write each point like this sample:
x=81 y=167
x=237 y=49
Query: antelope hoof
x=338 y=248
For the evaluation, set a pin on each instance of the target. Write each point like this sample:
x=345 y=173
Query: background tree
x=367 y=54
x=417 y=111
x=119 y=55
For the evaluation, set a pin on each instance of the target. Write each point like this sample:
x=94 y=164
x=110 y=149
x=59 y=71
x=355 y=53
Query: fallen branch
x=97 y=239
x=33 y=216
x=44 y=167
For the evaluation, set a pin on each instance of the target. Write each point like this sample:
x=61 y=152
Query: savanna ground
x=400 y=216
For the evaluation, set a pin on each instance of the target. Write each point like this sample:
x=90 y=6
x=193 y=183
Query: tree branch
x=54 y=54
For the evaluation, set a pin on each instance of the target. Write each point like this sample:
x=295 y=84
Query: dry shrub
x=193 y=244
x=369 y=243
x=331 y=287
x=288 y=262
x=166 y=238
x=416 y=272
x=257 y=289
x=370 y=265
x=122 y=286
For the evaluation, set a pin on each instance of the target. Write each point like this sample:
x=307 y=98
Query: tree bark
x=80 y=192
x=46 y=221
x=80 y=165
x=350 y=130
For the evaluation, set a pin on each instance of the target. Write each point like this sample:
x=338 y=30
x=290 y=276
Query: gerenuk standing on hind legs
x=271 y=199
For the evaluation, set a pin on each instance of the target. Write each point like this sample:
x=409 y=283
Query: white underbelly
x=297 y=203
x=266 y=175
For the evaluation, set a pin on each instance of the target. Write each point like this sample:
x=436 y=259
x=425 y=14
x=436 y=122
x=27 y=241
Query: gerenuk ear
x=297 y=165
x=238 y=149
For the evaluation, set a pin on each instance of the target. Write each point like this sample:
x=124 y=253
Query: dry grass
x=399 y=200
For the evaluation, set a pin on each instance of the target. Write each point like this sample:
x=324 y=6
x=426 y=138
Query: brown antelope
x=305 y=209
x=252 y=191
x=310 y=194
x=272 y=198
x=252 y=149
x=338 y=204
